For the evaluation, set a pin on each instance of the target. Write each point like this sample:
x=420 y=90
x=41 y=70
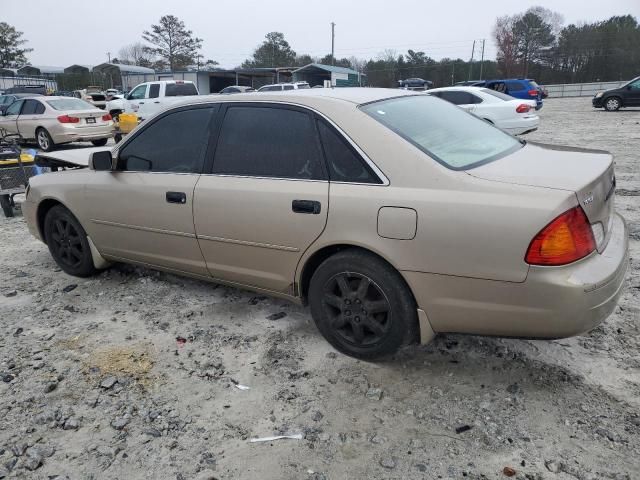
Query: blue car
x=523 y=88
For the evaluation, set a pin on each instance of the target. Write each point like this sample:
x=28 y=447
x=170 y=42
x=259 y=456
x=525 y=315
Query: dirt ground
x=139 y=374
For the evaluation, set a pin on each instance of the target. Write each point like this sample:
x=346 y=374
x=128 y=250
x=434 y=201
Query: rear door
x=30 y=118
x=632 y=94
x=266 y=198
x=143 y=211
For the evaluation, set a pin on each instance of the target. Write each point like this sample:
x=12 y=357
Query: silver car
x=51 y=121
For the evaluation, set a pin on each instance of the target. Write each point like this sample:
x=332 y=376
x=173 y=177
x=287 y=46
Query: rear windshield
x=303 y=85
x=456 y=139
x=70 y=104
x=533 y=84
x=500 y=95
x=180 y=90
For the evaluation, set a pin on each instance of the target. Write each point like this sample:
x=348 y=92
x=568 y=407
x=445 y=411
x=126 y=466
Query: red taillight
x=566 y=239
x=106 y=117
x=533 y=93
x=68 y=119
x=523 y=108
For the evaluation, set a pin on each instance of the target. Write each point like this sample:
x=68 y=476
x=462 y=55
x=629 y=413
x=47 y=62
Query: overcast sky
x=81 y=32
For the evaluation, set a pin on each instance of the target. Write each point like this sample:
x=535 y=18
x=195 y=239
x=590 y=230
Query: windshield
x=448 y=134
x=70 y=104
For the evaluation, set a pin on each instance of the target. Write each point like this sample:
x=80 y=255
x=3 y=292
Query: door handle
x=140 y=103
x=176 y=197
x=156 y=102
x=306 y=206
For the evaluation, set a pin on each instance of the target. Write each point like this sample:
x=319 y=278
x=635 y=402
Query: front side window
x=138 y=93
x=635 y=85
x=14 y=108
x=457 y=97
x=447 y=134
x=289 y=87
x=268 y=142
x=175 y=143
x=272 y=88
x=345 y=165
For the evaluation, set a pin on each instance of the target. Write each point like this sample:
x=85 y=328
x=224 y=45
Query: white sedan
x=513 y=115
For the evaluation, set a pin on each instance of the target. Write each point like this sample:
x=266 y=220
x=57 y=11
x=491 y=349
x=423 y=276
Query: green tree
x=275 y=51
x=11 y=52
x=339 y=62
x=533 y=37
x=172 y=42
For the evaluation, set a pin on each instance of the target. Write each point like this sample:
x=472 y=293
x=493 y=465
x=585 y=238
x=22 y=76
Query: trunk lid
x=587 y=173
x=94 y=116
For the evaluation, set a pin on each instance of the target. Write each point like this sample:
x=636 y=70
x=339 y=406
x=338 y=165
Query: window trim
x=147 y=124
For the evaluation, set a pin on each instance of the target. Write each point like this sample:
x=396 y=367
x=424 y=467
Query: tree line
x=532 y=44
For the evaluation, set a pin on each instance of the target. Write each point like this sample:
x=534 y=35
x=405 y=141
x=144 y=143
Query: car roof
x=309 y=96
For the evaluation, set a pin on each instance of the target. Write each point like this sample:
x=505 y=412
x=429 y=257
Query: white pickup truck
x=150 y=97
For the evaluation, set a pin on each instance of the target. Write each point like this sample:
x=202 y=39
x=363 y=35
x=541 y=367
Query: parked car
x=522 y=88
x=512 y=115
x=51 y=121
x=394 y=215
x=93 y=95
x=32 y=89
x=6 y=100
x=149 y=98
x=279 y=87
x=417 y=84
x=237 y=89
x=628 y=95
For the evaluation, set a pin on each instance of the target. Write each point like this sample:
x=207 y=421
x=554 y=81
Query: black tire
x=67 y=242
x=612 y=104
x=7 y=207
x=100 y=143
x=44 y=140
x=362 y=306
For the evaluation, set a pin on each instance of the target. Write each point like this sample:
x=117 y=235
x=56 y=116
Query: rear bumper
x=553 y=302
x=521 y=125
x=84 y=134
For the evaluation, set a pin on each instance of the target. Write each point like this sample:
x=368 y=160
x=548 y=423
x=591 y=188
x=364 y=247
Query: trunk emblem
x=587 y=199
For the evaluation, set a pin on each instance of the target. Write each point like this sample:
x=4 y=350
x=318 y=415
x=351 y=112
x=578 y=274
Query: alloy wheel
x=67 y=243
x=358 y=310
x=43 y=140
x=613 y=104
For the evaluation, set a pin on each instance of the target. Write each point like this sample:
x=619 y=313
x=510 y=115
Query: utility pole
x=473 y=51
x=453 y=72
x=482 y=61
x=109 y=56
x=333 y=43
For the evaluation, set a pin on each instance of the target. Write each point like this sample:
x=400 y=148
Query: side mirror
x=101 y=161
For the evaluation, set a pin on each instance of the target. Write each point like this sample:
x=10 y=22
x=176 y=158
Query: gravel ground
x=139 y=374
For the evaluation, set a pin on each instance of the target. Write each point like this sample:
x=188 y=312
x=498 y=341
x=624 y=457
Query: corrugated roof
x=123 y=68
x=49 y=69
x=328 y=68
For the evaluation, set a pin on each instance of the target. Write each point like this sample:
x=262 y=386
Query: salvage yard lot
x=137 y=374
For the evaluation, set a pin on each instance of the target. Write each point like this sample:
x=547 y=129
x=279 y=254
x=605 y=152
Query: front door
x=266 y=199
x=143 y=211
x=632 y=94
x=137 y=96
x=9 y=121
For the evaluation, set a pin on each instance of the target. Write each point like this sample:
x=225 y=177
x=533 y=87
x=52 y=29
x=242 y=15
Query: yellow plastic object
x=127 y=122
x=24 y=158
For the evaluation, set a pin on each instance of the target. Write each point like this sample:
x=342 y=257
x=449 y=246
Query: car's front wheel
x=362 y=306
x=612 y=104
x=68 y=243
x=100 y=143
x=45 y=142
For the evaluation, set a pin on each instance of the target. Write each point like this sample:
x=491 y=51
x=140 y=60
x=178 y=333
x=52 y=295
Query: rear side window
x=180 y=90
x=501 y=96
x=268 y=142
x=273 y=88
x=515 y=86
x=175 y=143
x=154 y=90
x=459 y=97
x=289 y=87
x=29 y=107
x=345 y=165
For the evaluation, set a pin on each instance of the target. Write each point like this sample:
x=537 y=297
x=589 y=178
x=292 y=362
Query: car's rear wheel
x=100 y=143
x=68 y=243
x=612 y=104
x=362 y=306
x=44 y=140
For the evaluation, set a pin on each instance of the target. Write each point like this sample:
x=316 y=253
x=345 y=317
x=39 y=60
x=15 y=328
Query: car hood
x=549 y=166
x=71 y=158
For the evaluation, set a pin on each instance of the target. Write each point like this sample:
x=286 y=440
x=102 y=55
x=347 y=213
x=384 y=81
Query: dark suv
x=628 y=95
